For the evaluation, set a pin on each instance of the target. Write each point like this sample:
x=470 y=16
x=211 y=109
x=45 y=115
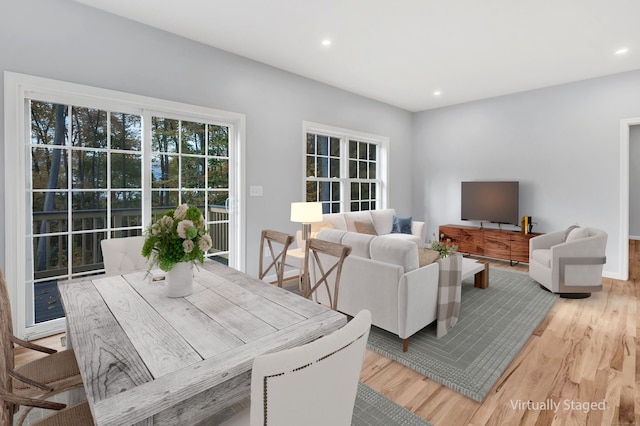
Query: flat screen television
x=490 y=202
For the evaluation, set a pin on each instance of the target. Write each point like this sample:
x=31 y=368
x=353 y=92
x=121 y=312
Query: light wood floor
x=585 y=351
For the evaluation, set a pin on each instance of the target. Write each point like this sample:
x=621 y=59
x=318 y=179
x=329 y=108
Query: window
x=345 y=170
x=96 y=164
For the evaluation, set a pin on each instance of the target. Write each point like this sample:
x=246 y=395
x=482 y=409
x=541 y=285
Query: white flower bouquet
x=180 y=235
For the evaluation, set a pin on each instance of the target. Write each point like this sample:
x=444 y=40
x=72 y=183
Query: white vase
x=180 y=280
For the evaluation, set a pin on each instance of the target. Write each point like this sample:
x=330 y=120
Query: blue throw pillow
x=401 y=225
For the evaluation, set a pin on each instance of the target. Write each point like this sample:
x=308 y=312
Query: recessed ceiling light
x=622 y=51
x=326 y=42
x=437 y=93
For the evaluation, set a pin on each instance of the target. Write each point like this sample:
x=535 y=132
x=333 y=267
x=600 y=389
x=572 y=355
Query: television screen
x=490 y=201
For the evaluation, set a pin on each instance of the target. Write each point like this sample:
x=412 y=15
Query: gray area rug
x=373 y=409
x=494 y=325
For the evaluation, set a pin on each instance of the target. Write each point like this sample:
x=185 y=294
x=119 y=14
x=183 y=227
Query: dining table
x=148 y=359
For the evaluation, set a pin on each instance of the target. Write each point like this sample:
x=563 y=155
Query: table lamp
x=306 y=213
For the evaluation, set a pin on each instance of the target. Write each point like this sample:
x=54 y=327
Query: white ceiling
x=401 y=51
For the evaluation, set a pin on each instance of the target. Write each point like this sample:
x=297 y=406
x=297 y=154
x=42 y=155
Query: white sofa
x=382 y=221
x=383 y=276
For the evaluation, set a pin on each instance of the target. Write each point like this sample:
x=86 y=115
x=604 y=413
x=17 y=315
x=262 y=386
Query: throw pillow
x=427 y=256
x=577 y=233
x=365 y=228
x=401 y=225
x=569 y=229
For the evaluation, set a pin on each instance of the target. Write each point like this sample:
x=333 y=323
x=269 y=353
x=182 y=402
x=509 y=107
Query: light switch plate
x=255 y=191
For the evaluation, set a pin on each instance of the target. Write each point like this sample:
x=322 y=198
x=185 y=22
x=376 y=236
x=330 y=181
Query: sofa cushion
x=336 y=219
x=352 y=217
x=427 y=256
x=332 y=235
x=405 y=237
x=359 y=244
x=383 y=220
x=577 y=233
x=319 y=226
x=365 y=227
x=395 y=251
x=542 y=256
x=401 y=225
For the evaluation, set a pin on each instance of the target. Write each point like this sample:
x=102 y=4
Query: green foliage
x=444 y=248
x=179 y=235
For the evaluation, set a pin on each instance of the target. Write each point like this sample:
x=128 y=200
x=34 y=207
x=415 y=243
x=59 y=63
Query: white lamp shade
x=306 y=212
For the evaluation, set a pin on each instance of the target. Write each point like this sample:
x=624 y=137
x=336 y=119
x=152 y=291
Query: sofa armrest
x=417 y=299
x=419 y=229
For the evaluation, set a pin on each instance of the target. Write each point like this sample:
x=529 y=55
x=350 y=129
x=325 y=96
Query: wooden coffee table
x=479 y=269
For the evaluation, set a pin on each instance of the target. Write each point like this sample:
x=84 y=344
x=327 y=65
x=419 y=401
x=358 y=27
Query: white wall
x=64 y=40
x=634 y=181
x=561 y=143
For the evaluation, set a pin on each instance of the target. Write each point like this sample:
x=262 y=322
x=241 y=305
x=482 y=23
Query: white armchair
x=569 y=264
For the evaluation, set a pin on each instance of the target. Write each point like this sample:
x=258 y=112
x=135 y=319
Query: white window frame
x=18 y=89
x=345 y=135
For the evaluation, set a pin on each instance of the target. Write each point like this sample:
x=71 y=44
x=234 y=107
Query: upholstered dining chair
x=322 y=269
x=278 y=243
x=313 y=384
x=123 y=255
x=42 y=378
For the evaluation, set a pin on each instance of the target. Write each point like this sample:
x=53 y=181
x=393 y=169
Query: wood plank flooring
x=585 y=351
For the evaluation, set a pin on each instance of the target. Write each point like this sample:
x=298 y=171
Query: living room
x=561 y=142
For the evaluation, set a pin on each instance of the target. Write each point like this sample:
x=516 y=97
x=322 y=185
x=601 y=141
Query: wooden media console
x=495 y=243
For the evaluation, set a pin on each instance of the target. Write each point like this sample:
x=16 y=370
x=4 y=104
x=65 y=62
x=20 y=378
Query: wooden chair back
x=280 y=240
x=328 y=258
x=6 y=353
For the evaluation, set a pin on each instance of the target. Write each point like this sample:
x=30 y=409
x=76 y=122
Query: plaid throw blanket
x=449 y=288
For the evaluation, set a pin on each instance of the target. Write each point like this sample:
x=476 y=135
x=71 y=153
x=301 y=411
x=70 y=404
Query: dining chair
x=42 y=378
x=312 y=384
x=123 y=255
x=277 y=257
x=327 y=258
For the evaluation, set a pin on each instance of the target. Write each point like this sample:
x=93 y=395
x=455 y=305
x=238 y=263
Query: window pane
x=48 y=168
x=374 y=194
x=54 y=217
x=372 y=170
x=364 y=191
x=353 y=149
x=162 y=201
x=364 y=206
x=355 y=191
x=323 y=145
x=217 y=206
x=323 y=167
x=362 y=151
x=373 y=150
x=353 y=169
x=50 y=256
x=335 y=147
x=86 y=252
x=218 y=141
x=164 y=134
x=363 y=170
x=126 y=208
x=325 y=191
x=193 y=140
x=126 y=170
x=355 y=206
x=48 y=123
x=335 y=191
x=124 y=233
x=89 y=204
x=312 y=191
x=192 y=172
x=219 y=233
x=335 y=207
x=335 y=167
x=126 y=131
x=218 y=173
x=164 y=171
x=311 y=143
x=89 y=127
x=326 y=208
x=89 y=169
x=311 y=166
x=194 y=198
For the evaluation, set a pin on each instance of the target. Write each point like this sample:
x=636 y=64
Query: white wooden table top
x=470 y=267
x=145 y=357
